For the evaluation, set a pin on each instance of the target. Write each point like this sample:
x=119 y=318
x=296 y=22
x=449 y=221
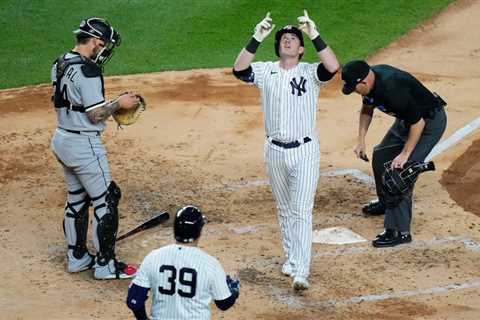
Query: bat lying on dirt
x=154 y=221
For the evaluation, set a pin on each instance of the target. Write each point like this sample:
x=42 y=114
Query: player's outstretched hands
x=263 y=28
x=234 y=286
x=307 y=25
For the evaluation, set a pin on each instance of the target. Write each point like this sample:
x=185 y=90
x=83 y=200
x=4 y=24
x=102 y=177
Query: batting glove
x=307 y=25
x=263 y=29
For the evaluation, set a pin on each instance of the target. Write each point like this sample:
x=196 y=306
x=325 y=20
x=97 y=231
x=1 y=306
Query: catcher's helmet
x=281 y=32
x=100 y=29
x=188 y=224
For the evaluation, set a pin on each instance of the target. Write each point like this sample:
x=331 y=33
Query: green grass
x=176 y=35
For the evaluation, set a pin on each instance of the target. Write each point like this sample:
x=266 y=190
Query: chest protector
x=89 y=70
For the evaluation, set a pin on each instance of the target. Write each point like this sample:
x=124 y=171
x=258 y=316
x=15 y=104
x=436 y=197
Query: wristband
x=319 y=44
x=252 y=46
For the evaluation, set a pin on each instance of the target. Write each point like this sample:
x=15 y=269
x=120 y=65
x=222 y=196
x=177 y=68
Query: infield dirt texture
x=201 y=141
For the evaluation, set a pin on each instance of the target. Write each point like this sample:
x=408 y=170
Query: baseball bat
x=150 y=223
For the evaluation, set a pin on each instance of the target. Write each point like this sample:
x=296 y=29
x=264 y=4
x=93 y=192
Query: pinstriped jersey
x=79 y=90
x=183 y=281
x=289 y=99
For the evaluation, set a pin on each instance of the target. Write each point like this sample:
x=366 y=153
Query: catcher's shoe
x=300 y=283
x=287 y=269
x=79 y=265
x=114 y=270
x=374 y=208
x=391 y=239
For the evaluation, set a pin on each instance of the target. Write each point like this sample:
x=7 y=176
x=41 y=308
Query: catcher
x=419 y=125
x=81 y=113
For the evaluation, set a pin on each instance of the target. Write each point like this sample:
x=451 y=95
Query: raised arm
x=246 y=56
x=325 y=53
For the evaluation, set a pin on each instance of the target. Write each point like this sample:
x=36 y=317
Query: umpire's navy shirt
x=399 y=94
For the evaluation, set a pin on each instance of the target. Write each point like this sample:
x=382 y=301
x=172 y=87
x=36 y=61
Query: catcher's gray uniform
x=78 y=89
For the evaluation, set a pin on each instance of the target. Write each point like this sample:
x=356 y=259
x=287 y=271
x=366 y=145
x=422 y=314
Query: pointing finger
x=305 y=13
x=268 y=15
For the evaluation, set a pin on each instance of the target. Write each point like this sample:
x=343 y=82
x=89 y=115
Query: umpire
x=419 y=124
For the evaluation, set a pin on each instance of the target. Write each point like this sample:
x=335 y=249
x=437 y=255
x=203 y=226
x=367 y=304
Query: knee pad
x=75 y=224
x=108 y=224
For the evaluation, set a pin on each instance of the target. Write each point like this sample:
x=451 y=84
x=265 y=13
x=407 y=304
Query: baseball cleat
x=300 y=283
x=391 y=239
x=374 y=208
x=114 y=270
x=287 y=269
x=79 y=265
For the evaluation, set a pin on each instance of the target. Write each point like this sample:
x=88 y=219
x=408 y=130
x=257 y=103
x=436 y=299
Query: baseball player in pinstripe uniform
x=183 y=278
x=81 y=113
x=289 y=91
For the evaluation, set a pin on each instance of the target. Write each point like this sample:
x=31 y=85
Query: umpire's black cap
x=353 y=73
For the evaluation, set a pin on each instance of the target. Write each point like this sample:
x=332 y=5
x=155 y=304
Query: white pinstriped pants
x=293 y=175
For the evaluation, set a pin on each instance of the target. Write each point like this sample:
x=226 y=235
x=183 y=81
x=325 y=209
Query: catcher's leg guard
x=75 y=222
x=106 y=223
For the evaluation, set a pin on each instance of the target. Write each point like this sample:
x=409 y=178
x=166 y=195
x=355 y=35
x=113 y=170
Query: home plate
x=336 y=235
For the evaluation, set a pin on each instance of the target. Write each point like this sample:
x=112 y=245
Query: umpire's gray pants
x=399 y=218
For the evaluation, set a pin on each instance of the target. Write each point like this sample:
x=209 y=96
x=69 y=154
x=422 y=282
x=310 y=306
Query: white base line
x=438 y=149
x=454 y=138
x=468 y=243
x=298 y=302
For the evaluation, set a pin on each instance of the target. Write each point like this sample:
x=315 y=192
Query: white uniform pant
x=293 y=175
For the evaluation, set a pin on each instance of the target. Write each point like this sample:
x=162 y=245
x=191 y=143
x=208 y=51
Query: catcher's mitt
x=125 y=117
x=398 y=183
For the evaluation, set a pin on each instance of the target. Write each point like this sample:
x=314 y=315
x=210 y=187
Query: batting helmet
x=100 y=29
x=287 y=29
x=188 y=224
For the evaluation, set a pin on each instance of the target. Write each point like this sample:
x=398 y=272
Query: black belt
x=80 y=132
x=290 y=145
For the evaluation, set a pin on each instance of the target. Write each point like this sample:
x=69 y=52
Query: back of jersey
x=83 y=92
x=183 y=281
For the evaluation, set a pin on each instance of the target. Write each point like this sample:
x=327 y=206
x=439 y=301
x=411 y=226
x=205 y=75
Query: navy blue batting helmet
x=287 y=29
x=188 y=224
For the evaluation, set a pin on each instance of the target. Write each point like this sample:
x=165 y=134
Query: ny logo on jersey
x=299 y=86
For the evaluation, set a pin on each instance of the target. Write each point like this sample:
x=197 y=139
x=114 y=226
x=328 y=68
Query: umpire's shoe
x=374 y=208
x=391 y=238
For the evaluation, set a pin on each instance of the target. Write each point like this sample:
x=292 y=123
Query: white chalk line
x=362 y=176
x=298 y=302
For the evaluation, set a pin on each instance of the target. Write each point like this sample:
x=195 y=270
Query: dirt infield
x=201 y=141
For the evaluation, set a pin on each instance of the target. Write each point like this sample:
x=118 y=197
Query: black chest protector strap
x=89 y=69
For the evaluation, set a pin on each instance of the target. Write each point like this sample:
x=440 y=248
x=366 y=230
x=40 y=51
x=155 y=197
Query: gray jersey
x=183 y=281
x=79 y=90
x=289 y=99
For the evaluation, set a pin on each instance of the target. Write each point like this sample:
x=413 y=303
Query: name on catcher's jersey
x=183 y=281
x=289 y=99
x=79 y=90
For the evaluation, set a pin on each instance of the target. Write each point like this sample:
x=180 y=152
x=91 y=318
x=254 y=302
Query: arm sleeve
x=91 y=90
x=226 y=304
x=246 y=75
x=219 y=289
x=136 y=300
x=318 y=72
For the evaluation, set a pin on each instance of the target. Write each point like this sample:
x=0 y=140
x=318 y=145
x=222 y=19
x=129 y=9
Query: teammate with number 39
x=183 y=279
x=289 y=90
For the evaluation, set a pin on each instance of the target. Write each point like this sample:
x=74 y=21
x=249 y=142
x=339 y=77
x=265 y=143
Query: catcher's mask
x=400 y=181
x=287 y=29
x=188 y=224
x=100 y=29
